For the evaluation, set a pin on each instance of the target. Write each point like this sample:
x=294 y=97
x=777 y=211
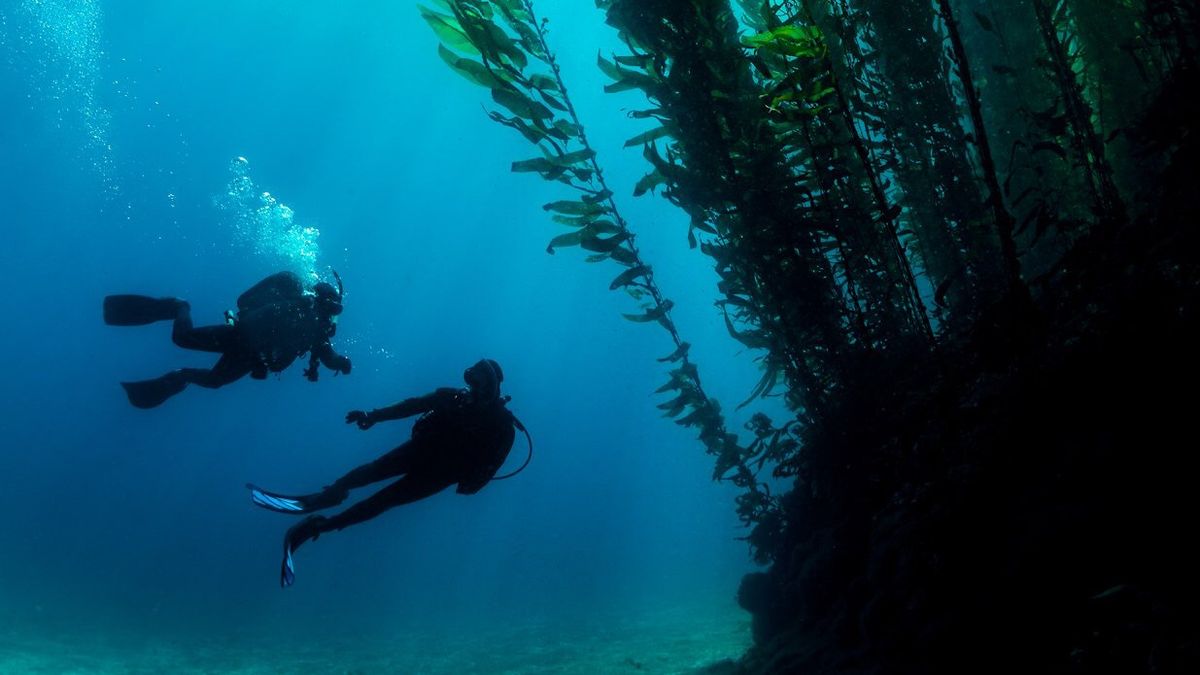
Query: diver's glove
x=343 y=366
x=362 y=419
x=311 y=372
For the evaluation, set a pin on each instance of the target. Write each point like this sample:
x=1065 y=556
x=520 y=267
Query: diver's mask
x=329 y=299
x=484 y=378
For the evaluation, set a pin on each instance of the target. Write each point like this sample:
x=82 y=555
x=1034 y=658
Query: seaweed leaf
x=549 y=170
x=752 y=339
x=629 y=276
x=677 y=405
x=532 y=134
x=592 y=242
x=447 y=29
x=544 y=83
x=521 y=105
x=552 y=101
x=623 y=79
x=573 y=207
x=939 y=295
x=647 y=137
x=697 y=416
x=564 y=240
x=769 y=379
x=653 y=314
x=790 y=40
x=649 y=182
x=679 y=353
x=474 y=71
x=624 y=256
x=609 y=68
x=577 y=156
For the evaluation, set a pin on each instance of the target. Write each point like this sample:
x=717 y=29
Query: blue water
x=126 y=530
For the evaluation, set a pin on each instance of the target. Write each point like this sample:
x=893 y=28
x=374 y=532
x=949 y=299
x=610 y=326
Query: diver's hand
x=344 y=366
x=311 y=373
x=362 y=419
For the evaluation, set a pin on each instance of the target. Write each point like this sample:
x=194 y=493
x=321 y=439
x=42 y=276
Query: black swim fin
x=139 y=310
x=152 y=393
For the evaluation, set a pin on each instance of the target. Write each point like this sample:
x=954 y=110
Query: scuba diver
x=276 y=322
x=463 y=436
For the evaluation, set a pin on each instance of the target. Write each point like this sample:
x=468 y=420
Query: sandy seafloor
x=670 y=640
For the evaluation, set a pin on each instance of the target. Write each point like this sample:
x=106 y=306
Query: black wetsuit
x=458 y=440
x=265 y=339
x=277 y=322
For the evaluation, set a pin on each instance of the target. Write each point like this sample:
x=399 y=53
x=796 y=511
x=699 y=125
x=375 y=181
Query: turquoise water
x=191 y=150
x=678 y=640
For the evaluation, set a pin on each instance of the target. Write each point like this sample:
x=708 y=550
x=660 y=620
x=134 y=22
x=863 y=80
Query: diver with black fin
x=277 y=321
x=463 y=436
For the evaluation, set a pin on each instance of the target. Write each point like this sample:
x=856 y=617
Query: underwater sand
x=675 y=640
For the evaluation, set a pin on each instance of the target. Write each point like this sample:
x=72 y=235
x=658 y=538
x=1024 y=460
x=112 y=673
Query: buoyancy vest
x=277 y=322
x=479 y=437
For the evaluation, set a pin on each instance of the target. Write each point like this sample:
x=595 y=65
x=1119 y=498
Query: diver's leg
x=396 y=462
x=139 y=310
x=205 y=338
x=408 y=489
x=153 y=393
x=412 y=487
x=228 y=369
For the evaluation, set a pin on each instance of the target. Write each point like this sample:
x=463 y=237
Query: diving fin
x=287 y=571
x=309 y=528
x=139 y=310
x=275 y=502
x=152 y=393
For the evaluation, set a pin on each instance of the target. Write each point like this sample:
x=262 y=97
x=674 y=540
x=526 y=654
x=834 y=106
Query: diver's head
x=328 y=300
x=484 y=379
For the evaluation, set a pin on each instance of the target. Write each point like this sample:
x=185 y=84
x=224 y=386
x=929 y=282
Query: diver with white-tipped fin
x=462 y=437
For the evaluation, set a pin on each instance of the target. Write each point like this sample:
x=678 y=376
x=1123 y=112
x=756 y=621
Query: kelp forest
x=961 y=237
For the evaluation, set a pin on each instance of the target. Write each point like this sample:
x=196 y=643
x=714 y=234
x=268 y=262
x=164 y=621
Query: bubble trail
x=266 y=225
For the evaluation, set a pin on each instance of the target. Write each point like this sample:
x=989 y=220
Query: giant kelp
x=501 y=45
x=911 y=205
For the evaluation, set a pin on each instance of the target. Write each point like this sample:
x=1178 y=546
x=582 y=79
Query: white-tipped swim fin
x=275 y=502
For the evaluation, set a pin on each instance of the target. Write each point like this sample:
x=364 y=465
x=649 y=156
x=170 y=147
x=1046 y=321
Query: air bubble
x=267 y=226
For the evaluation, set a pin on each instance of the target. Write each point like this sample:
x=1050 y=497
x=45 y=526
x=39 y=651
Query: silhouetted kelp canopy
x=903 y=199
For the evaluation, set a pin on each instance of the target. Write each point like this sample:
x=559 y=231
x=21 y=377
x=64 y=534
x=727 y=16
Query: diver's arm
x=414 y=406
x=311 y=372
x=406 y=408
x=329 y=358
